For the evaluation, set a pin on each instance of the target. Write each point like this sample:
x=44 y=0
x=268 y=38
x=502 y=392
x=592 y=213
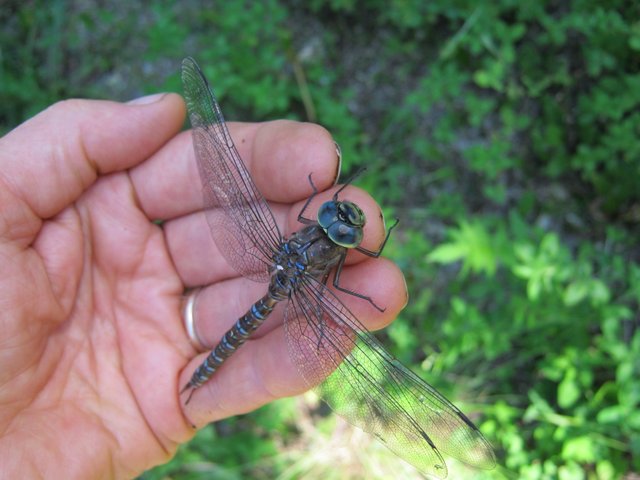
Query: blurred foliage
x=505 y=137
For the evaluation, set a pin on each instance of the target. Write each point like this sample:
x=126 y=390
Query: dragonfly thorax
x=343 y=222
x=309 y=251
x=289 y=261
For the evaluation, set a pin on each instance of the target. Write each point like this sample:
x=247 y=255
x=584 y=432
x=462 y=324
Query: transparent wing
x=372 y=390
x=240 y=220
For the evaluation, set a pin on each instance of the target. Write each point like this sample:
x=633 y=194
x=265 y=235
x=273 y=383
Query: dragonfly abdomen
x=235 y=337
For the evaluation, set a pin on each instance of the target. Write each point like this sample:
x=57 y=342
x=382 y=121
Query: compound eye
x=348 y=236
x=328 y=214
x=352 y=214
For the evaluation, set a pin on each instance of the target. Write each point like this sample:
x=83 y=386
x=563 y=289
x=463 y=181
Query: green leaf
x=612 y=415
x=575 y=292
x=447 y=253
x=605 y=470
x=581 y=449
x=568 y=389
x=472 y=243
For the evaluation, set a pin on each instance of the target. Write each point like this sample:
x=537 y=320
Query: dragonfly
x=333 y=351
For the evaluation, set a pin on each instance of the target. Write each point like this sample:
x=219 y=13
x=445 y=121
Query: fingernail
x=339 y=166
x=147 y=99
x=406 y=293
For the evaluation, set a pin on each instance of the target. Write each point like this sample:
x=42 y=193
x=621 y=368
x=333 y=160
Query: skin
x=92 y=345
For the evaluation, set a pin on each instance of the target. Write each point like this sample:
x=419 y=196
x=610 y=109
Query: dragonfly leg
x=308 y=221
x=193 y=389
x=189 y=385
x=336 y=284
x=349 y=181
x=377 y=253
x=301 y=217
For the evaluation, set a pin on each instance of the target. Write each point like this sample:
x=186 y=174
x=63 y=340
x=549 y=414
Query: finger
x=219 y=306
x=197 y=258
x=199 y=261
x=279 y=156
x=261 y=371
x=48 y=161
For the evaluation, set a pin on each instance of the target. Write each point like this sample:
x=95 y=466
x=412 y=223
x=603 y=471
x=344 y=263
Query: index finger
x=279 y=156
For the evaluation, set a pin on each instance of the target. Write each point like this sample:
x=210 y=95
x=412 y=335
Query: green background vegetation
x=504 y=135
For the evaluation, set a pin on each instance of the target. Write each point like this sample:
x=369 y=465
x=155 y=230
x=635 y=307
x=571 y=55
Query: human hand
x=92 y=346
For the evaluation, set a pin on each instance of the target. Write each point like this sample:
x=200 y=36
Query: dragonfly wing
x=240 y=220
x=363 y=383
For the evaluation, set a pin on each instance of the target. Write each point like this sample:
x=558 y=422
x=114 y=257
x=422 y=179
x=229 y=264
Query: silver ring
x=189 y=316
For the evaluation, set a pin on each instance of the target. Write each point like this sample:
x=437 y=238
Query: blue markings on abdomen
x=234 y=338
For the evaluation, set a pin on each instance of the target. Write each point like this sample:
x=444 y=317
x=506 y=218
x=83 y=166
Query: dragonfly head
x=343 y=222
